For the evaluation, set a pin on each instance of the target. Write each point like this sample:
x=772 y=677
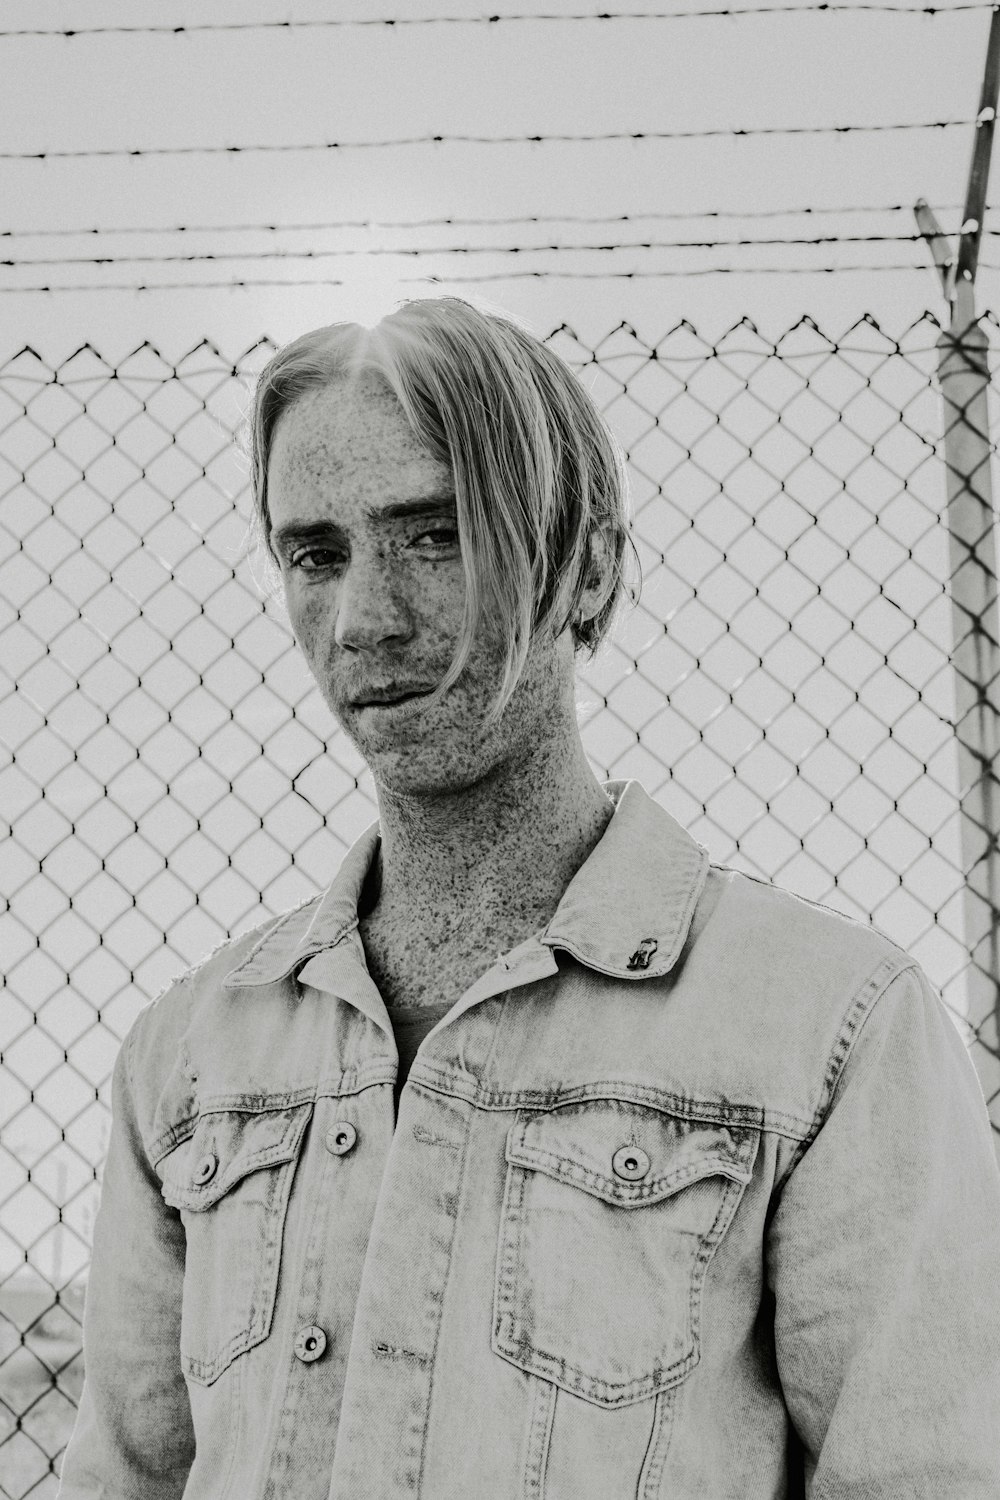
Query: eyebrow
x=440 y=504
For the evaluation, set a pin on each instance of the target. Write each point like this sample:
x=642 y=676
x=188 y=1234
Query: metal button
x=206 y=1169
x=309 y=1343
x=340 y=1138
x=630 y=1162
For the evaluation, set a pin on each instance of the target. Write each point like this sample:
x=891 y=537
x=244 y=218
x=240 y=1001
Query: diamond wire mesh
x=170 y=774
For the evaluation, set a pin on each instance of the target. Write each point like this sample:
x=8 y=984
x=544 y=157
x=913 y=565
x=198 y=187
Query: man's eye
x=439 y=536
x=312 y=559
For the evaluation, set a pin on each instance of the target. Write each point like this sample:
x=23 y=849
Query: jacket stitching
x=440 y=1301
x=660 y=1187
x=272 y=931
x=659 y=1441
x=543 y=1407
x=613 y=1393
x=706 y=1111
x=130 y=1081
x=263 y=1104
x=862 y=1004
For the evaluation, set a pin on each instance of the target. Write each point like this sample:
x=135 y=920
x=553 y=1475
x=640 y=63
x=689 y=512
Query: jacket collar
x=628 y=909
x=626 y=912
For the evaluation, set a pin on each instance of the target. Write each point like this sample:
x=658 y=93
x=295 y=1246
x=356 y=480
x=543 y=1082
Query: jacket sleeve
x=884 y=1262
x=133 y=1438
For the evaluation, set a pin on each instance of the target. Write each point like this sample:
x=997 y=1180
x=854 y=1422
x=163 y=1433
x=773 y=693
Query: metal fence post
x=964 y=378
x=963 y=372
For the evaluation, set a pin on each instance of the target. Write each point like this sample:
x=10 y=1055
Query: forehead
x=347 y=443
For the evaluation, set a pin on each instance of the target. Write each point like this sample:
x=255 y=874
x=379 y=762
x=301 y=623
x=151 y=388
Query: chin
x=425 y=772
x=402 y=778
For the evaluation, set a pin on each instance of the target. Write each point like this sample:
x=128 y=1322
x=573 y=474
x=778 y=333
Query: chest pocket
x=231 y=1180
x=612 y=1213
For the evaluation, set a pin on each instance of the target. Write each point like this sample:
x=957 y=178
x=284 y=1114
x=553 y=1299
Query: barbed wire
x=485 y=222
x=485 y=140
x=641 y=275
x=694 y=271
x=390 y=22
x=405 y=250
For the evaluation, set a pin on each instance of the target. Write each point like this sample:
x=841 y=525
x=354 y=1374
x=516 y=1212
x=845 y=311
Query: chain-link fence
x=786 y=688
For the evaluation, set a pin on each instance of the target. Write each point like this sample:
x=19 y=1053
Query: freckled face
x=363 y=525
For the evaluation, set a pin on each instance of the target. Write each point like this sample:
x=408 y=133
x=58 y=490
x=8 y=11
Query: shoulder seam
x=861 y=1005
x=129 y=1045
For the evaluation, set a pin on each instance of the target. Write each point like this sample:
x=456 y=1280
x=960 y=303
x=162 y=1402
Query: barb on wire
x=452 y=222
x=484 y=140
x=691 y=271
x=542 y=275
x=409 y=250
x=391 y=22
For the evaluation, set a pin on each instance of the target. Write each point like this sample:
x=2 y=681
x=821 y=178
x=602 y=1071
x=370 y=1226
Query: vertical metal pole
x=964 y=375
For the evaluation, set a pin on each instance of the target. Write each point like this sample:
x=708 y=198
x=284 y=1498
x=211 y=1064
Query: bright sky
x=355 y=83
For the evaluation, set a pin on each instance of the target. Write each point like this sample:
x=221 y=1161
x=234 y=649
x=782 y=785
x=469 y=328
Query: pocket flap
x=225 y=1147
x=657 y=1154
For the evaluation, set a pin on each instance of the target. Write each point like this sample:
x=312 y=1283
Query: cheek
x=308 y=615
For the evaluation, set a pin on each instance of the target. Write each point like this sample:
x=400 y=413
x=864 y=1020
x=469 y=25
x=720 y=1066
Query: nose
x=371 y=608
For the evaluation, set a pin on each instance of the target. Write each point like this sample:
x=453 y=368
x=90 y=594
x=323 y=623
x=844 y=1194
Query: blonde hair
x=540 y=482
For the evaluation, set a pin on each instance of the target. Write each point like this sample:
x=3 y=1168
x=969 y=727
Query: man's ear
x=600 y=582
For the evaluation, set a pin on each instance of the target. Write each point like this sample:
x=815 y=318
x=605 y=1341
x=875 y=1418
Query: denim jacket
x=691 y=1195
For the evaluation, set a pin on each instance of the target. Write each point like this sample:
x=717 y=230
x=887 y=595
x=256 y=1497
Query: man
x=535 y=1157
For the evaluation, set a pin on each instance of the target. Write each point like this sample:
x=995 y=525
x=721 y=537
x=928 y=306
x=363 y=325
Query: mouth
x=391 y=697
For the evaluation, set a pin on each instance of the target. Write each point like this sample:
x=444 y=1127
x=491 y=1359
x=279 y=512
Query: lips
x=388 y=696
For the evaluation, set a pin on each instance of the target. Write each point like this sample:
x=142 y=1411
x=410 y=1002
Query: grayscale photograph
x=499 y=751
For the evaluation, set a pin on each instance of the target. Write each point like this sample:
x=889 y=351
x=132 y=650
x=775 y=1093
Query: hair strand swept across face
x=540 y=482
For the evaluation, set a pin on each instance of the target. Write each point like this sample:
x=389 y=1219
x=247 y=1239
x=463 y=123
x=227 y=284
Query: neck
x=498 y=854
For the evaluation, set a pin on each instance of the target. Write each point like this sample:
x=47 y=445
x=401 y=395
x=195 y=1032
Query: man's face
x=363 y=524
